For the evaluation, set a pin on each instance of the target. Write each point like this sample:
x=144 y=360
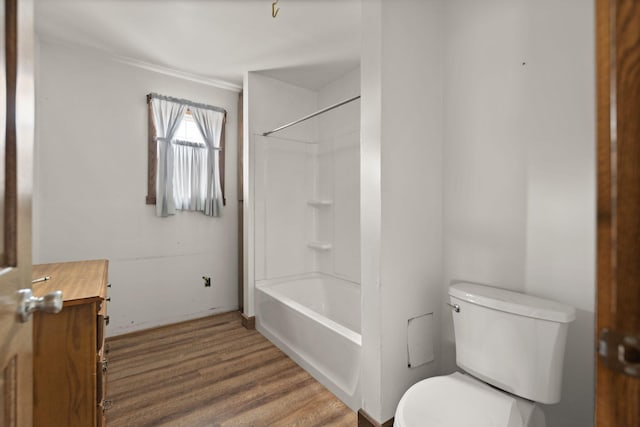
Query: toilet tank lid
x=513 y=302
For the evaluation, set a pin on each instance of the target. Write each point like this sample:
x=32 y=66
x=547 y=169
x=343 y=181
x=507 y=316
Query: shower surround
x=304 y=227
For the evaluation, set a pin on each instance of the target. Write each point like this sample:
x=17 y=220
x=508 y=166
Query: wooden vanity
x=69 y=357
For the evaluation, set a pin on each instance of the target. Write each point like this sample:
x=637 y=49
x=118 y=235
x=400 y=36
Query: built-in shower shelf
x=320 y=203
x=320 y=246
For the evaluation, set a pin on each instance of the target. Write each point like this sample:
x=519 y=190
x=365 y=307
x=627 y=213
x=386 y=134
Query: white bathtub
x=315 y=320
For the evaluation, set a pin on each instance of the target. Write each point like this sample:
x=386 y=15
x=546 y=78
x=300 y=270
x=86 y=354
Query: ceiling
x=310 y=43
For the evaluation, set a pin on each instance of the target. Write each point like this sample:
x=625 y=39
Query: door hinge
x=620 y=352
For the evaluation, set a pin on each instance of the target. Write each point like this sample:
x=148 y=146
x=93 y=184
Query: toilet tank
x=511 y=340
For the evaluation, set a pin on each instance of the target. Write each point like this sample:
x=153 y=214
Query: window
x=185 y=155
x=188 y=130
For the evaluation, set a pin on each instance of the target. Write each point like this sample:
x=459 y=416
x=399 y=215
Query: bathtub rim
x=309 y=275
x=266 y=286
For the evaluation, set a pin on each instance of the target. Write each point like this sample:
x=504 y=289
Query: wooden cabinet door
x=16 y=159
x=618 y=291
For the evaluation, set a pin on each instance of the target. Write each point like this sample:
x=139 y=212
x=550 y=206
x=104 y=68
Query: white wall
x=371 y=208
x=478 y=163
x=402 y=201
x=519 y=194
x=89 y=202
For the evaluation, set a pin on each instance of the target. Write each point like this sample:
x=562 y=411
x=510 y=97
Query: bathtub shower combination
x=307 y=253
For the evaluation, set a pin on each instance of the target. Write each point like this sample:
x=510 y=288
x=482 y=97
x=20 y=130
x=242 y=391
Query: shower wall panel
x=346 y=211
x=339 y=179
x=283 y=185
x=306 y=186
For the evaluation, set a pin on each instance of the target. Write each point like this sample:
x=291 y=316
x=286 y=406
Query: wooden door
x=618 y=290
x=16 y=158
x=240 y=181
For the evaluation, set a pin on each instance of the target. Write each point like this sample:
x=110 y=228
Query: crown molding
x=221 y=84
x=160 y=69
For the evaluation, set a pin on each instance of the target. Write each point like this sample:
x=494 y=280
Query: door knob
x=50 y=303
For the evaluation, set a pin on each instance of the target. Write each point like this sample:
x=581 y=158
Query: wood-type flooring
x=213 y=372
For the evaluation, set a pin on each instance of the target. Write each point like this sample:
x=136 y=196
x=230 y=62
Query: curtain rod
x=310 y=116
x=185 y=102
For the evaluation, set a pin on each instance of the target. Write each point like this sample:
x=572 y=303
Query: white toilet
x=511 y=347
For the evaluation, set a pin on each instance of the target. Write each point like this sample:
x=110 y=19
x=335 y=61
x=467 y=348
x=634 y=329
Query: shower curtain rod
x=324 y=110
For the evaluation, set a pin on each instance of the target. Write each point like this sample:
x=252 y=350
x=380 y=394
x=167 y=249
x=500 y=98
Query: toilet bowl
x=510 y=346
x=459 y=400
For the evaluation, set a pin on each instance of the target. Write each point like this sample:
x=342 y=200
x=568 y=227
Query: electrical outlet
x=207 y=281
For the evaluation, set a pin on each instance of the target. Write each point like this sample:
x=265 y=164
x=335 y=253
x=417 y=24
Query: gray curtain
x=166 y=119
x=210 y=124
